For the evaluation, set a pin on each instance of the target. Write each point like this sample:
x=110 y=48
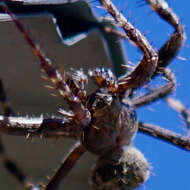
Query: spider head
x=127 y=168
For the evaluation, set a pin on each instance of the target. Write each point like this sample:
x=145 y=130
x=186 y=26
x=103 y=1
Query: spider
x=104 y=122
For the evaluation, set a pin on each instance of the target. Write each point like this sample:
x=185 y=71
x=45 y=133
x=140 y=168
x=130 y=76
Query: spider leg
x=147 y=66
x=181 y=109
x=35 y=127
x=67 y=164
x=166 y=53
x=5 y=106
x=158 y=93
x=169 y=50
x=81 y=114
x=15 y=171
x=8 y=163
x=48 y=128
x=165 y=135
x=39 y=127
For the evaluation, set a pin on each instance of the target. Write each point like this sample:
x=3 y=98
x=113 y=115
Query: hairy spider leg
x=76 y=80
x=166 y=53
x=38 y=127
x=165 y=135
x=156 y=131
x=169 y=50
x=155 y=94
x=142 y=73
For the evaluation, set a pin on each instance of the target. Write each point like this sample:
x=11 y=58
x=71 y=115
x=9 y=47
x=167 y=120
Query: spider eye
x=102 y=100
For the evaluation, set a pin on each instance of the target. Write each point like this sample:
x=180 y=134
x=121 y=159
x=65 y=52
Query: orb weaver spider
x=104 y=122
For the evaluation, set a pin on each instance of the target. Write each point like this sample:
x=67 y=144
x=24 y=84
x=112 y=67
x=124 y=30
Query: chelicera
x=104 y=122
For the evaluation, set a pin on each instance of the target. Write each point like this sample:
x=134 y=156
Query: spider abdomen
x=124 y=169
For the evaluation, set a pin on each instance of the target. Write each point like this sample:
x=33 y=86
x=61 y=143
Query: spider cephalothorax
x=113 y=123
x=104 y=122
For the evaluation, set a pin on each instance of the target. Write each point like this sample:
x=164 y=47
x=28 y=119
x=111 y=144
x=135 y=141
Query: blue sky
x=170 y=165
